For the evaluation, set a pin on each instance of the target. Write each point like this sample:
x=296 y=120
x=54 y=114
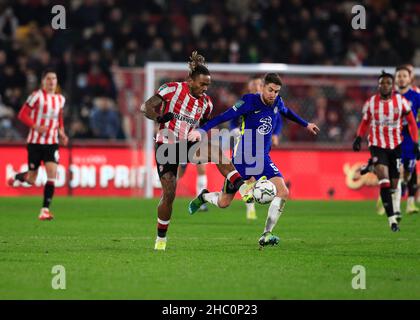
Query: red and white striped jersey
x=415 y=88
x=385 y=120
x=45 y=111
x=187 y=111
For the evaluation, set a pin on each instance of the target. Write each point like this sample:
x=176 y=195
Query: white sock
x=392 y=219
x=250 y=206
x=274 y=212
x=396 y=198
x=212 y=197
x=201 y=183
x=410 y=201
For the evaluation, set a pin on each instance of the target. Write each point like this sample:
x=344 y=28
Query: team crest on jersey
x=266 y=126
x=276 y=109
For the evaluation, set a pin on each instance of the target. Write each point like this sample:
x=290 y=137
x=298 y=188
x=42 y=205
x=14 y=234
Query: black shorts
x=170 y=156
x=41 y=152
x=388 y=157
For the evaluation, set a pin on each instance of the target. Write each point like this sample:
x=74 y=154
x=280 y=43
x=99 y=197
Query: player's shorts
x=268 y=169
x=408 y=154
x=41 y=152
x=171 y=156
x=388 y=157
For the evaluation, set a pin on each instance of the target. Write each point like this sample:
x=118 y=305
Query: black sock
x=48 y=193
x=21 y=176
x=238 y=182
x=387 y=200
x=412 y=185
x=403 y=188
x=235 y=179
x=162 y=228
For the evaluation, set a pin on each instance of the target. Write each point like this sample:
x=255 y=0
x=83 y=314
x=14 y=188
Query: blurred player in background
x=410 y=67
x=382 y=116
x=258 y=112
x=254 y=85
x=43 y=114
x=403 y=80
x=181 y=106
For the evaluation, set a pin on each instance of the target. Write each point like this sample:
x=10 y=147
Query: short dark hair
x=385 y=75
x=403 y=67
x=254 y=77
x=46 y=71
x=272 y=78
x=197 y=65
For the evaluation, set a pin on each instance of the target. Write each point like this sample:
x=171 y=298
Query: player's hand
x=357 y=144
x=40 y=129
x=313 y=128
x=194 y=135
x=275 y=140
x=64 y=139
x=165 y=118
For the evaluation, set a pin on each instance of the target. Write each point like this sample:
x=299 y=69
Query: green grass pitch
x=106 y=248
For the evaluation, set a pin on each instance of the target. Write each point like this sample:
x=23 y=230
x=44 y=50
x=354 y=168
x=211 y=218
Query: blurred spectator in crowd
x=7 y=116
x=104 y=120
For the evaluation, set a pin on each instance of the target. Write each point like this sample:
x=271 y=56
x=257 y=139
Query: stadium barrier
x=118 y=170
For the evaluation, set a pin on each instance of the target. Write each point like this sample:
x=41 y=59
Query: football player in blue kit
x=409 y=159
x=251 y=157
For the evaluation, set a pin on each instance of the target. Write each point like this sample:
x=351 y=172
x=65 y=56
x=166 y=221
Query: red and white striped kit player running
x=187 y=111
x=382 y=116
x=43 y=114
x=181 y=106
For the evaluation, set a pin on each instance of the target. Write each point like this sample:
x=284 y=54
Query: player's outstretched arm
x=234 y=112
x=289 y=114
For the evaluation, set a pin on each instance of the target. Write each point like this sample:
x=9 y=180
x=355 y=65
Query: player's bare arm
x=148 y=109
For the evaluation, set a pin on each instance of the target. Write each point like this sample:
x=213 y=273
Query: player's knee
x=168 y=196
x=223 y=203
x=283 y=193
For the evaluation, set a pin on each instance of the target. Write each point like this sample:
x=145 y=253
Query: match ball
x=264 y=191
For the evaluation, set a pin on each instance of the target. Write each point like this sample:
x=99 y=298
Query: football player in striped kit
x=383 y=114
x=43 y=114
x=182 y=106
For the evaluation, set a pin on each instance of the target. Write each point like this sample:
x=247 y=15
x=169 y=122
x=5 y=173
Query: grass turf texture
x=106 y=247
